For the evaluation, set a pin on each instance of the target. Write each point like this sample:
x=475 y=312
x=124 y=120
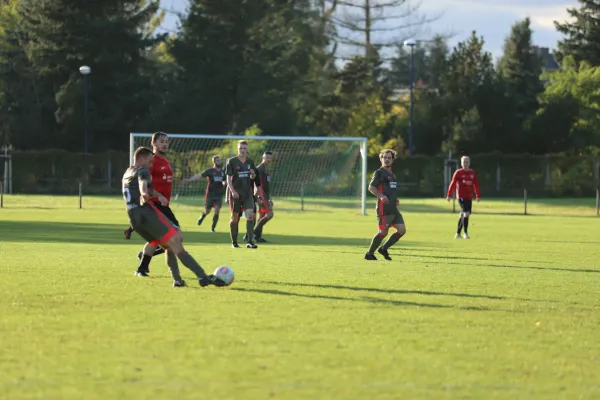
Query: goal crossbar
x=361 y=140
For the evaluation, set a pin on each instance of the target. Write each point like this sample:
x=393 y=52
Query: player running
x=464 y=181
x=384 y=186
x=240 y=172
x=153 y=225
x=214 y=190
x=263 y=197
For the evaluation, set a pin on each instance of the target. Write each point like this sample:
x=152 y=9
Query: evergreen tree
x=582 y=36
x=111 y=37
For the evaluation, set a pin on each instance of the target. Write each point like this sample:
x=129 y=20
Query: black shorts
x=465 y=205
x=151 y=224
x=213 y=201
x=166 y=210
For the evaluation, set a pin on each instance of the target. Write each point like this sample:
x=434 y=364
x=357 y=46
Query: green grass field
x=514 y=313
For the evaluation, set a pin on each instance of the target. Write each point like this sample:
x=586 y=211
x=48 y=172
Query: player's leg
x=398 y=223
x=460 y=218
x=173 y=241
x=249 y=207
x=235 y=206
x=466 y=215
x=265 y=214
x=217 y=208
x=145 y=256
x=384 y=225
x=128 y=232
x=174 y=268
x=207 y=207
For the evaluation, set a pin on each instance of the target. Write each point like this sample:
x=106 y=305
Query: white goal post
x=303 y=167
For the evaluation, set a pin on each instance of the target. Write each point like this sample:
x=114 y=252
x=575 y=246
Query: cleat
x=260 y=240
x=457 y=236
x=141 y=273
x=371 y=257
x=385 y=253
x=235 y=245
x=251 y=245
x=207 y=280
x=127 y=234
x=466 y=236
x=212 y=230
x=200 y=220
x=179 y=283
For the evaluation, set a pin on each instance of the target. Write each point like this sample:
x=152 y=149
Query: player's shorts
x=264 y=204
x=166 y=210
x=241 y=204
x=388 y=220
x=213 y=201
x=465 y=205
x=151 y=224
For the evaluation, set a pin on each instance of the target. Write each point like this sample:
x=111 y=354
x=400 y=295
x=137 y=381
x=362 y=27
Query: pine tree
x=582 y=36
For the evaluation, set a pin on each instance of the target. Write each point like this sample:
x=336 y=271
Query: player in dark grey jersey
x=263 y=196
x=384 y=186
x=215 y=187
x=152 y=225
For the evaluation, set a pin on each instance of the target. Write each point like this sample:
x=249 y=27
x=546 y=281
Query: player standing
x=214 y=190
x=464 y=181
x=240 y=173
x=384 y=186
x=153 y=225
x=263 y=196
x=162 y=181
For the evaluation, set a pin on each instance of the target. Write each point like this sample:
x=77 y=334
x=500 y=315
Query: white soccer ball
x=225 y=273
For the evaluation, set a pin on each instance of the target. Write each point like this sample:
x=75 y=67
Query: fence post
x=498 y=178
x=1 y=193
x=598 y=201
x=109 y=171
x=302 y=197
x=80 y=195
x=525 y=200
x=453 y=204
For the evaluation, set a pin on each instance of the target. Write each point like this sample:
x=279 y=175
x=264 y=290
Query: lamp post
x=85 y=71
x=411 y=43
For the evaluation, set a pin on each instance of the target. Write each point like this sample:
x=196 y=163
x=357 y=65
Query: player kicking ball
x=153 y=225
x=214 y=190
x=464 y=181
x=384 y=186
x=240 y=172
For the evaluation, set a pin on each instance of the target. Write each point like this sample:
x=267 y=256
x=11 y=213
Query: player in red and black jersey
x=384 y=186
x=215 y=186
x=162 y=181
x=465 y=182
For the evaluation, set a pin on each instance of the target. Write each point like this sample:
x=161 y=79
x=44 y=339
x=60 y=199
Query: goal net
x=306 y=172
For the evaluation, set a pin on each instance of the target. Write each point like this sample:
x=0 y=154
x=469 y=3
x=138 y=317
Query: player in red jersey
x=162 y=181
x=464 y=181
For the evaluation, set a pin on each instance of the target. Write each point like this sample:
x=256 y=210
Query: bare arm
x=192 y=179
x=144 y=191
x=378 y=194
x=230 y=185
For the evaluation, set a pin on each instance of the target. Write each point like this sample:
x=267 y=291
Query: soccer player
x=384 y=186
x=151 y=224
x=240 y=172
x=214 y=190
x=162 y=181
x=464 y=181
x=263 y=197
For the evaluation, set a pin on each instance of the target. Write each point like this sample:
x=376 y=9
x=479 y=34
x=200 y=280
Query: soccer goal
x=306 y=171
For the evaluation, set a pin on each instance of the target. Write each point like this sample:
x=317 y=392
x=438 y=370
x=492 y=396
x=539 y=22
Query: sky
x=491 y=19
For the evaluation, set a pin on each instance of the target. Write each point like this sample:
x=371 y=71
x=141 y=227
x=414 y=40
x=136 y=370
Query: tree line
x=279 y=67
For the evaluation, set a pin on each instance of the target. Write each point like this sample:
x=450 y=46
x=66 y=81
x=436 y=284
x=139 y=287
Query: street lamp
x=411 y=43
x=85 y=71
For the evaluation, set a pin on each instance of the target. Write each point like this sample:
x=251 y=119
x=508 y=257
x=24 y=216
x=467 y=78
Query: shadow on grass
x=586 y=271
x=74 y=232
x=366 y=299
x=388 y=291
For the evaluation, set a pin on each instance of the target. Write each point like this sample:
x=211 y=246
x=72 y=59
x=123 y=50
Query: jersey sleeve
x=144 y=175
x=452 y=186
x=376 y=179
x=206 y=173
x=229 y=168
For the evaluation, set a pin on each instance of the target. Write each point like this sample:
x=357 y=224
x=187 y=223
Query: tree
x=520 y=69
x=582 y=36
x=112 y=37
x=429 y=59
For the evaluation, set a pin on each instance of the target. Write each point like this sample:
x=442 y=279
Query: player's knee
x=383 y=232
x=467 y=214
x=401 y=228
x=270 y=214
